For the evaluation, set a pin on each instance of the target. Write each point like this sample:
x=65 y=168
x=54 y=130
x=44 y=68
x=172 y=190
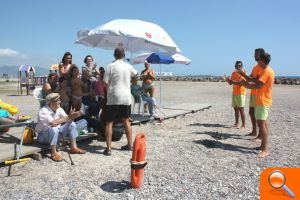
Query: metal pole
x=18 y=84
x=20 y=146
x=160 y=86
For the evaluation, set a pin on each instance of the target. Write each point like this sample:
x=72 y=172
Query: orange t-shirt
x=264 y=94
x=255 y=72
x=235 y=76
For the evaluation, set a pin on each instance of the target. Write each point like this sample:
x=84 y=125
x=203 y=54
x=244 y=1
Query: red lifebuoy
x=138 y=160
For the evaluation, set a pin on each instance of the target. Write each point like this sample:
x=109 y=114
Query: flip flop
x=77 y=151
x=56 y=157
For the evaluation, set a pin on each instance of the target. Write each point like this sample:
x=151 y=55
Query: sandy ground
x=190 y=157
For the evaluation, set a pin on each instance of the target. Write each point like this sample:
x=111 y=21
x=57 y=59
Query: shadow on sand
x=18 y=95
x=213 y=144
x=210 y=125
x=220 y=136
x=115 y=187
x=90 y=146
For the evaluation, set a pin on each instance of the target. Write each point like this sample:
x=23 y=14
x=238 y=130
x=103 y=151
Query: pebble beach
x=196 y=156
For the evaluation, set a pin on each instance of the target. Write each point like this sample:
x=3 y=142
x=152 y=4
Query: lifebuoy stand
x=138 y=161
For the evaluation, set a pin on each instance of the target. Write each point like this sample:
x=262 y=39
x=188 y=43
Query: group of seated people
x=76 y=89
x=87 y=89
x=68 y=92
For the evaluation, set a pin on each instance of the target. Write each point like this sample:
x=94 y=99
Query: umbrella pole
x=18 y=84
x=131 y=54
x=160 y=85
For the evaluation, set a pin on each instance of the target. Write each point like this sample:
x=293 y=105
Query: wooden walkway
x=9 y=143
x=171 y=112
x=9 y=140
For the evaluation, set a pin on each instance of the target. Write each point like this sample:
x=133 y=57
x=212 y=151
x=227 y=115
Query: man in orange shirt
x=253 y=78
x=263 y=99
x=238 y=94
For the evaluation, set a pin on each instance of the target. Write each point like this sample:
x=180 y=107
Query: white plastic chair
x=141 y=105
x=37 y=93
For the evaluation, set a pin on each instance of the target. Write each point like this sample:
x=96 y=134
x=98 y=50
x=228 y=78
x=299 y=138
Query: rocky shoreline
x=278 y=80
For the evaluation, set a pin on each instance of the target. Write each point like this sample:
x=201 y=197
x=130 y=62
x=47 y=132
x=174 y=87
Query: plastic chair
x=37 y=93
x=141 y=105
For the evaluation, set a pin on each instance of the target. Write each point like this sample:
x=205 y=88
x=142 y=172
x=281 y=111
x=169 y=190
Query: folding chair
x=141 y=105
x=37 y=93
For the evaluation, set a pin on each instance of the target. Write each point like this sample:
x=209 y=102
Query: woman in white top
x=91 y=68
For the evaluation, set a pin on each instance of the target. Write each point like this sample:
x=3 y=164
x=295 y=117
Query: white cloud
x=8 y=53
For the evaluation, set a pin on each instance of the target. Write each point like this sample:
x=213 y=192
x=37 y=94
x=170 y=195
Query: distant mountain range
x=13 y=71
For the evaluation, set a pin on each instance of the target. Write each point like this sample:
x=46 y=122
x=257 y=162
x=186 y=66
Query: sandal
x=77 y=151
x=56 y=157
x=107 y=152
x=126 y=148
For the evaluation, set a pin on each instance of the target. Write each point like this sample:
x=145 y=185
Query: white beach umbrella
x=132 y=35
x=178 y=58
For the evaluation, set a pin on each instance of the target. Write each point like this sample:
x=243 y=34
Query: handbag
x=28 y=135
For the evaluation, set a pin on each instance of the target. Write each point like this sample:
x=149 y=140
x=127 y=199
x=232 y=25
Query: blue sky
x=213 y=34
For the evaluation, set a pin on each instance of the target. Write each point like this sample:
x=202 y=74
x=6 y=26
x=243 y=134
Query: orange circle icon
x=277 y=179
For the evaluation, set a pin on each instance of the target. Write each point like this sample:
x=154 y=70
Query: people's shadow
x=115 y=187
x=219 y=136
x=90 y=147
x=213 y=144
x=16 y=95
x=209 y=125
x=8 y=139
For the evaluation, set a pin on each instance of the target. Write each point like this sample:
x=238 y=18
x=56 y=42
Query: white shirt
x=117 y=77
x=47 y=115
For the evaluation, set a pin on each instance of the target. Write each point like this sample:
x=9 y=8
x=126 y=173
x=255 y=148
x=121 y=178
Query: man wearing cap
x=117 y=78
x=54 y=124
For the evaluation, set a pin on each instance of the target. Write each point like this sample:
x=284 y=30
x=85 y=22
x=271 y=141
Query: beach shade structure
x=161 y=58
x=26 y=68
x=28 y=80
x=134 y=36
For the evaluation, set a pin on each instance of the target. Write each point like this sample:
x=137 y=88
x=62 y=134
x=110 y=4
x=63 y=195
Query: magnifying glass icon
x=277 y=180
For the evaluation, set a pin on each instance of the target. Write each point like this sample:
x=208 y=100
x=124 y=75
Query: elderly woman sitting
x=54 y=124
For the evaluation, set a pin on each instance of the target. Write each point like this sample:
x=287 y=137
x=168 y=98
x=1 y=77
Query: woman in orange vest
x=238 y=94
